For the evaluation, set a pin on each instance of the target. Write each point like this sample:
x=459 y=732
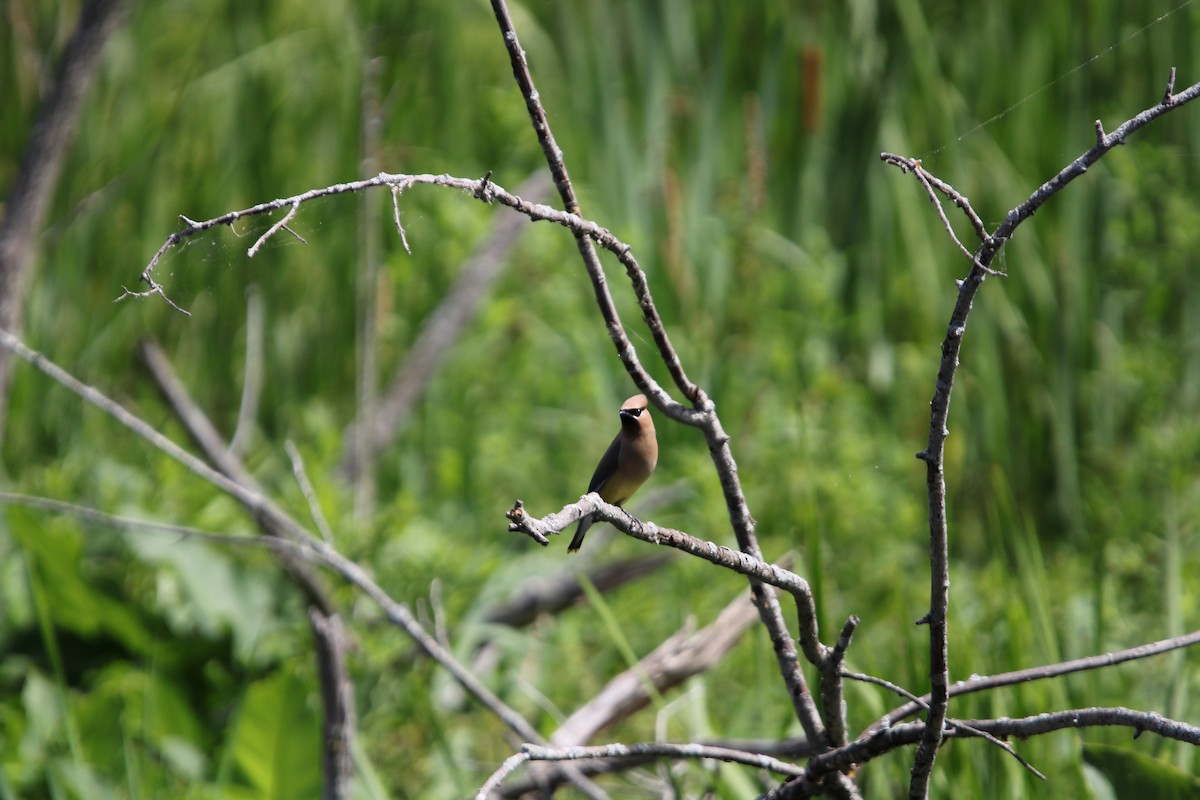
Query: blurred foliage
x=735 y=146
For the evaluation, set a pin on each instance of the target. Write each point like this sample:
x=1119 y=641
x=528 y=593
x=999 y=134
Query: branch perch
x=703 y=414
x=737 y=561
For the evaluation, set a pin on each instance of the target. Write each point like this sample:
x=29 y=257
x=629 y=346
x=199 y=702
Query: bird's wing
x=607 y=465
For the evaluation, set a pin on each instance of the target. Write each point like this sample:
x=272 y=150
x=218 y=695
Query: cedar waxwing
x=626 y=463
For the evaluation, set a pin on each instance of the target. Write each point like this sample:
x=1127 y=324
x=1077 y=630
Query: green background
x=806 y=285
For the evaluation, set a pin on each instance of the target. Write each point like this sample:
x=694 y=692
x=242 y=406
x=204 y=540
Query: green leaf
x=275 y=741
x=56 y=561
x=1135 y=775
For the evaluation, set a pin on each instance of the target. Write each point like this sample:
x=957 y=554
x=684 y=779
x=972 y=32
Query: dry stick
x=510 y=765
x=885 y=740
x=329 y=632
x=877 y=740
x=252 y=374
x=787 y=748
x=537 y=597
x=397 y=613
x=756 y=569
x=643 y=750
x=927 y=181
x=833 y=695
x=707 y=419
x=225 y=477
x=88 y=514
x=306 y=488
x=608 y=309
x=682 y=655
x=37 y=172
x=679 y=657
x=337 y=740
x=337 y=698
x=933 y=455
x=370 y=436
x=555 y=593
x=191 y=227
x=953 y=723
x=482 y=189
x=206 y=437
x=704 y=416
x=979 y=684
x=1140 y=721
x=274 y=229
x=367 y=288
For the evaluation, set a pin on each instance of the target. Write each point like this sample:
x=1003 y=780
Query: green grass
x=806 y=285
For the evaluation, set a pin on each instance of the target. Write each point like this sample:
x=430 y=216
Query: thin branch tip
x=484 y=191
x=519 y=521
x=1169 y=94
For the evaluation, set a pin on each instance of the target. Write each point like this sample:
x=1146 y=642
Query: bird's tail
x=580 y=532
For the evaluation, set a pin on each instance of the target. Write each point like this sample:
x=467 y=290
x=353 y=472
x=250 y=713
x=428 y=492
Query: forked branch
x=933 y=454
x=702 y=414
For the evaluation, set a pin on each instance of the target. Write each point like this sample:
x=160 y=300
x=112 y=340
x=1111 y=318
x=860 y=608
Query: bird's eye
x=637 y=412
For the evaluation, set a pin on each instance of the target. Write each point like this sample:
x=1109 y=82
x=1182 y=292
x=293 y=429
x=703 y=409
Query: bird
x=627 y=462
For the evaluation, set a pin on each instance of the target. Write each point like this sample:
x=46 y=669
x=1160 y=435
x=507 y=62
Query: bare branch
x=779 y=749
x=337 y=698
x=1168 y=95
x=927 y=181
x=155 y=289
x=934 y=452
x=268 y=513
x=23 y=210
x=274 y=229
x=313 y=547
x=120 y=522
x=556 y=592
x=953 y=723
x=438 y=334
x=252 y=373
x=1140 y=721
x=707 y=419
x=492 y=784
x=832 y=693
x=1081 y=164
x=329 y=632
x=642 y=750
x=306 y=488
x=482 y=189
x=979 y=684
x=884 y=740
x=396 y=219
x=682 y=655
x=738 y=561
